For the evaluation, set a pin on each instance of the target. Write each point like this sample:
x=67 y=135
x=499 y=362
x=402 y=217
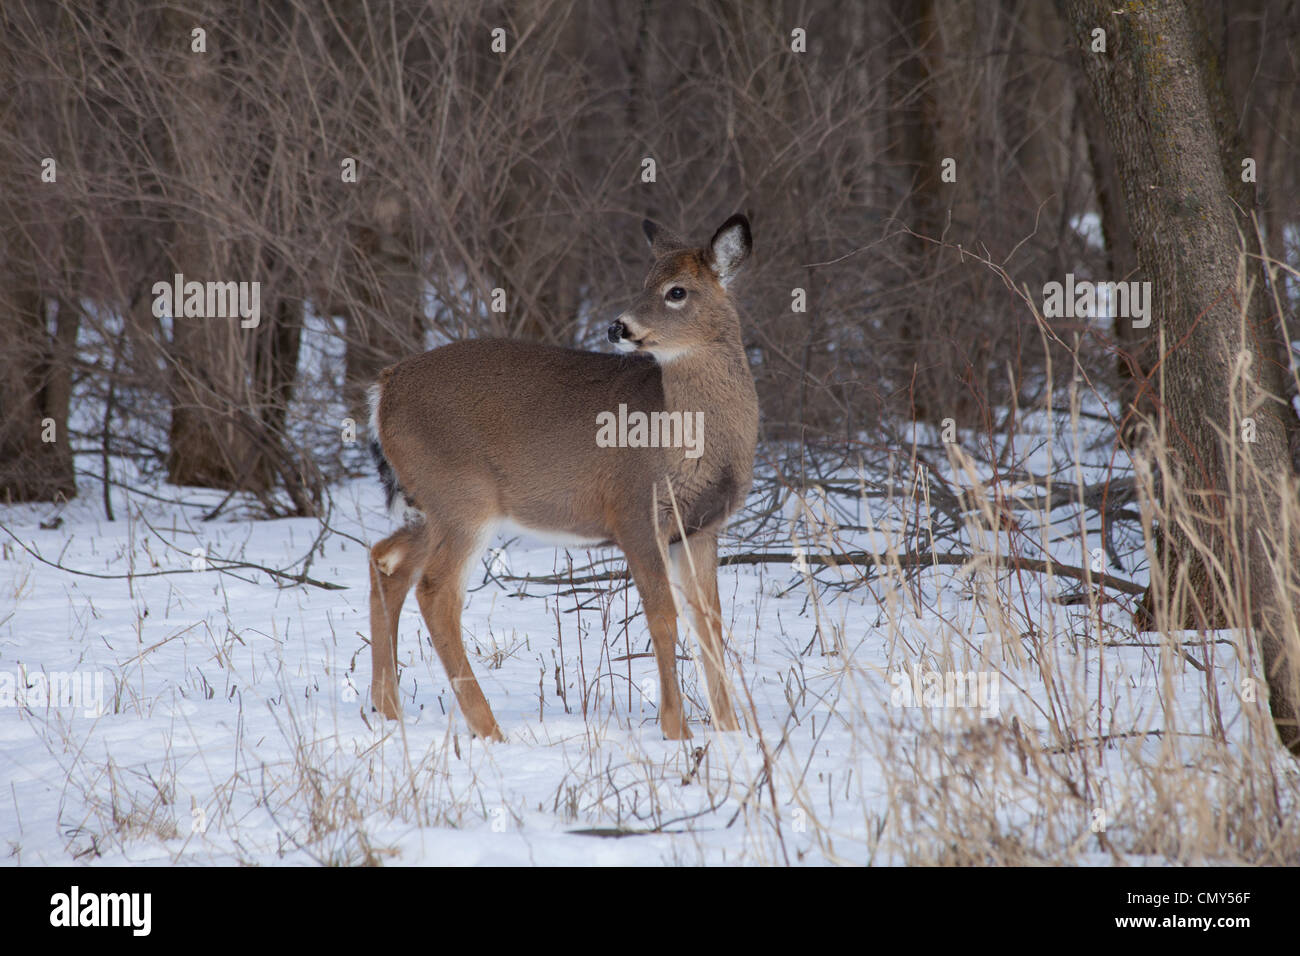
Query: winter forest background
x=960 y=473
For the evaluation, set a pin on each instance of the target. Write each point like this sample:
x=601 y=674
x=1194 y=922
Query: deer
x=484 y=435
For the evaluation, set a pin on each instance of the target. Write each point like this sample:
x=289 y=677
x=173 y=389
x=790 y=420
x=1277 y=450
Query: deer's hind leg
x=393 y=565
x=440 y=591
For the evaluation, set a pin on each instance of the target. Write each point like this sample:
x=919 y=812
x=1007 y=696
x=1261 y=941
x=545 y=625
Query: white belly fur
x=542 y=537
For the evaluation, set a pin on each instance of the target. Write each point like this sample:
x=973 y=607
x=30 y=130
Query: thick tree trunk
x=211 y=381
x=918 y=152
x=1227 y=543
x=538 y=263
x=1134 y=348
x=382 y=300
x=38 y=331
x=35 y=450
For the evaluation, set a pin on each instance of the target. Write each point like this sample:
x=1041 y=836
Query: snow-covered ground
x=161 y=706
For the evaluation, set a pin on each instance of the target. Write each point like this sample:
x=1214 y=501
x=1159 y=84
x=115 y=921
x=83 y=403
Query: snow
x=233 y=723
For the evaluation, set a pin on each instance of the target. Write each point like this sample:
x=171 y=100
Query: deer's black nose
x=616 y=332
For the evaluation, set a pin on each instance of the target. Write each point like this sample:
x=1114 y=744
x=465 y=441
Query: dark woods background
x=522 y=170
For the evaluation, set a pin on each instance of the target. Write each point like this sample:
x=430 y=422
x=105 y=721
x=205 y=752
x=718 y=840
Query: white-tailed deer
x=487 y=433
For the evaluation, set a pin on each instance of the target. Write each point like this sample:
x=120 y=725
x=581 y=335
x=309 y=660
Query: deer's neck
x=715 y=380
x=705 y=373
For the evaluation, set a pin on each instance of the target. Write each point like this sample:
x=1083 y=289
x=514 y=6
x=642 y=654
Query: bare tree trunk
x=539 y=266
x=383 y=302
x=35 y=363
x=210 y=381
x=919 y=152
x=1163 y=110
x=35 y=450
x=1134 y=348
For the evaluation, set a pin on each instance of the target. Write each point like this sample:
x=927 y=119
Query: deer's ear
x=730 y=247
x=661 y=240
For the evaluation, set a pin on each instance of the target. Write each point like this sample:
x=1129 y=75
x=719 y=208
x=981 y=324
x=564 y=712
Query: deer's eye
x=676 y=294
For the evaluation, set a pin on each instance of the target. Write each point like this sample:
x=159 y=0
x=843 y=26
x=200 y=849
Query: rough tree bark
x=1134 y=359
x=382 y=299
x=209 y=356
x=35 y=451
x=918 y=152
x=39 y=239
x=1162 y=106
